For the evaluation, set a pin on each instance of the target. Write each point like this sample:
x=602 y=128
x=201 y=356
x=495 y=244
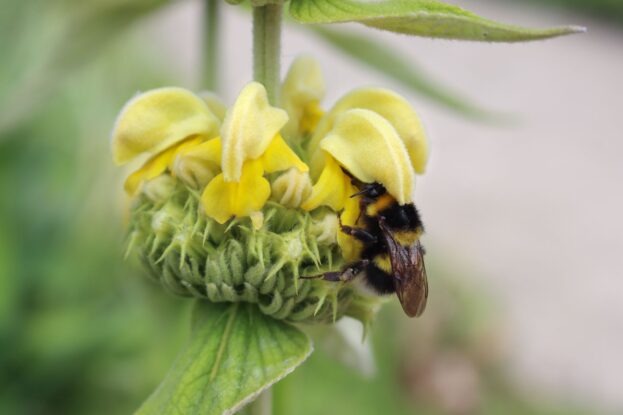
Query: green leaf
x=235 y=352
x=428 y=18
x=390 y=63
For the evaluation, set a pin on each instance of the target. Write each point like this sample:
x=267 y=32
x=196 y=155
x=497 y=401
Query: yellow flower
x=369 y=148
x=250 y=147
x=301 y=93
x=160 y=123
x=391 y=106
x=207 y=163
x=371 y=135
x=375 y=136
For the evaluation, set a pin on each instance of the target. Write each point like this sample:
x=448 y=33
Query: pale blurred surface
x=532 y=210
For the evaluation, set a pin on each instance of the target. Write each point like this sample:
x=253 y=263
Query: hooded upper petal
x=390 y=106
x=301 y=93
x=248 y=129
x=157 y=119
x=369 y=148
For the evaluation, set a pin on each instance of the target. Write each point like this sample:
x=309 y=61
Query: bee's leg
x=364 y=202
x=345 y=275
x=358 y=233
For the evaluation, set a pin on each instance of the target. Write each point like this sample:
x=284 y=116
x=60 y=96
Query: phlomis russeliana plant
x=281 y=211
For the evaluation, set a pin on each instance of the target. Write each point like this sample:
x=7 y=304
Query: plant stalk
x=263 y=405
x=210 y=45
x=267 y=22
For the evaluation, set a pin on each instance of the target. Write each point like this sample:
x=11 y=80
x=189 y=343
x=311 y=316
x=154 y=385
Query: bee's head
x=371 y=190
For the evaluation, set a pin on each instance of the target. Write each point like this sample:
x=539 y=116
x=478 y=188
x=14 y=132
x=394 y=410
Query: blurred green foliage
x=43 y=42
x=370 y=52
x=79 y=333
x=80 y=330
x=611 y=10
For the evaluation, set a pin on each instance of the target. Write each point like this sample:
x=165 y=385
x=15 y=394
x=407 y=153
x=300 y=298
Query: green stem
x=267 y=47
x=263 y=405
x=209 y=58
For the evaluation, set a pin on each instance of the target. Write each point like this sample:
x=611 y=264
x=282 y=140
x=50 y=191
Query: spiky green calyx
x=193 y=255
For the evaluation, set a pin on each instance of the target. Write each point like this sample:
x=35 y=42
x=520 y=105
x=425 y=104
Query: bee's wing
x=413 y=290
x=409 y=273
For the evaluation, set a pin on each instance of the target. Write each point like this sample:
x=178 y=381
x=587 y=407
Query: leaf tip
x=577 y=29
x=566 y=30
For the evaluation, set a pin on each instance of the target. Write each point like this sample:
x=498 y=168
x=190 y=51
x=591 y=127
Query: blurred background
x=522 y=204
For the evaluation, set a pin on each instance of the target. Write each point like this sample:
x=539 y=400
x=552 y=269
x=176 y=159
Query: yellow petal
x=253 y=189
x=199 y=164
x=210 y=151
x=302 y=90
x=369 y=148
x=389 y=105
x=249 y=127
x=157 y=119
x=154 y=167
x=350 y=246
x=332 y=188
x=157 y=165
x=312 y=114
x=184 y=147
x=279 y=156
x=222 y=200
x=217 y=199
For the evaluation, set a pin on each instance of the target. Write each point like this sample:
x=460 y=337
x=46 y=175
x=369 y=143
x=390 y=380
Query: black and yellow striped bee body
x=392 y=257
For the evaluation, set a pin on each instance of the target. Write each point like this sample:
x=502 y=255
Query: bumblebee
x=392 y=258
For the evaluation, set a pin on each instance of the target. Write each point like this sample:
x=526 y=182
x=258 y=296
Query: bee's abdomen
x=379 y=280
